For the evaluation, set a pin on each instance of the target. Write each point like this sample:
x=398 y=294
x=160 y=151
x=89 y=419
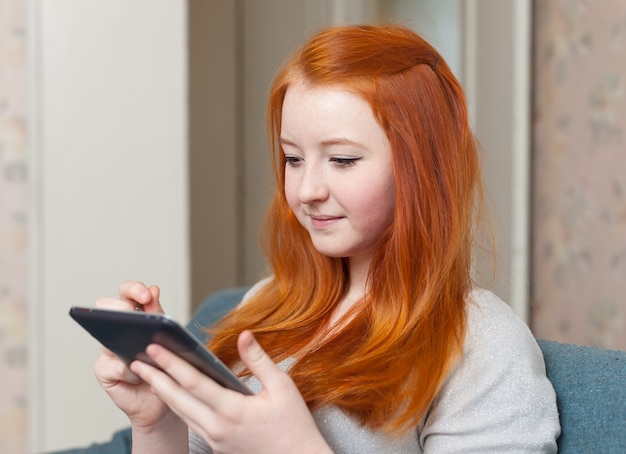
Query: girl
x=368 y=335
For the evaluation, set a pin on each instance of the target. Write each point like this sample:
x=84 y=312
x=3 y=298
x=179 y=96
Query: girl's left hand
x=276 y=420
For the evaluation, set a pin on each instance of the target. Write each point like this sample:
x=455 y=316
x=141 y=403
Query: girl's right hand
x=129 y=392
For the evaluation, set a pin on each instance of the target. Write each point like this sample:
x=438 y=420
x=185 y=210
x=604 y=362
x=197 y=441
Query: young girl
x=368 y=335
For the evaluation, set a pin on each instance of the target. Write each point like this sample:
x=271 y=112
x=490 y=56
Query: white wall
x=108 y=167
x=497 y=43
x=214 y=135
x=440 y=22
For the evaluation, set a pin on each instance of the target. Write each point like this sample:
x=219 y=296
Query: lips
x=320 y=221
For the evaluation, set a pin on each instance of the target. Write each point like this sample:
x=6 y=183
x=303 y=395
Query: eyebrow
x=325 y=143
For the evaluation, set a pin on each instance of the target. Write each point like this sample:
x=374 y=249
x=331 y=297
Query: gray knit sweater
x=496 y=399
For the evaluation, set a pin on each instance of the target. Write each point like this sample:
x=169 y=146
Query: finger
x=154 y=305
x=179 y=399
x=259 y=363
x=135 y=292
x=196 y=398
x=155 y=291
x=110 y=370
x=114 y=304
x=190 y=378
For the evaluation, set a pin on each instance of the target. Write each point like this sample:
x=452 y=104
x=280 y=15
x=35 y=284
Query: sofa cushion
x=590 y=385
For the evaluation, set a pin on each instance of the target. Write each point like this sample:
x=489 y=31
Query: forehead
x=333 y=107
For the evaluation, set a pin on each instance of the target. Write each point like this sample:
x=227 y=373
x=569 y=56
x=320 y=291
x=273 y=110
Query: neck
x=358 y=271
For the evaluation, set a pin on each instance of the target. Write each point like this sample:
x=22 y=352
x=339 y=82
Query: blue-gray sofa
x=590 y=384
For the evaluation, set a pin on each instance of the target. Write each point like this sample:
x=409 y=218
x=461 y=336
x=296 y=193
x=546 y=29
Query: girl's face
x=339 y=178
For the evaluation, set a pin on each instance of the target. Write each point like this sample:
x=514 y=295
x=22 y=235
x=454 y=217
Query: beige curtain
x=13 y=227
x=579 y=170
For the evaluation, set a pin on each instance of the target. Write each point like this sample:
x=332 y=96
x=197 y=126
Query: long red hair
x=386 y=365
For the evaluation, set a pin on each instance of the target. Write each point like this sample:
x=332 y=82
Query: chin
x=334 y=252
x=331 y=252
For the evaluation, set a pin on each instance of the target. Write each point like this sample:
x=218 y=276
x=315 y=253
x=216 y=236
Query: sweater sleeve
x=497 y=397
x=197 y=445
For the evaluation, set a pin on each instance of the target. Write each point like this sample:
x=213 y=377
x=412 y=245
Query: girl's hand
x=276 y=420
x=129 y=392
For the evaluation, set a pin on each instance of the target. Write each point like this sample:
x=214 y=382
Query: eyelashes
x=292 y=161
x=344 y=162
x=296 y=161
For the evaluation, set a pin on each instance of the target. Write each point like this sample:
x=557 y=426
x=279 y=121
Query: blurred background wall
x=132 y=146
x=108 y=166
x=13 y=228
x=579 y=167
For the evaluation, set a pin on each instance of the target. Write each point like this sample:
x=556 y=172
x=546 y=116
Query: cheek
x=375 y=204
x=382 y=206
x=291 y=191
x=382 y=203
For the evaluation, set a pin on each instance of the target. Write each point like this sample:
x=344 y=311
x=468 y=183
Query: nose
x=313 y=186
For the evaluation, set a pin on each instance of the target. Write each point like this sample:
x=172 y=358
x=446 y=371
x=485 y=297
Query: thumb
x=257 y=361
x=154 y=305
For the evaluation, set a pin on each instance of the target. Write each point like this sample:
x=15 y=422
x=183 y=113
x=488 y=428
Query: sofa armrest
x=590 y=385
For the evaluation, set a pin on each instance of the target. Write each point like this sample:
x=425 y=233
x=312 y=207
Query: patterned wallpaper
x=579 y=167
x=13 y=227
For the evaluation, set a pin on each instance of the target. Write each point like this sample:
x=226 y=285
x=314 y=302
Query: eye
x=292 y=161
x=344 y=162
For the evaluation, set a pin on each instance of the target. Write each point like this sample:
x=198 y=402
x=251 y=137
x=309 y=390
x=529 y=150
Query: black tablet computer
x=128 y=333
